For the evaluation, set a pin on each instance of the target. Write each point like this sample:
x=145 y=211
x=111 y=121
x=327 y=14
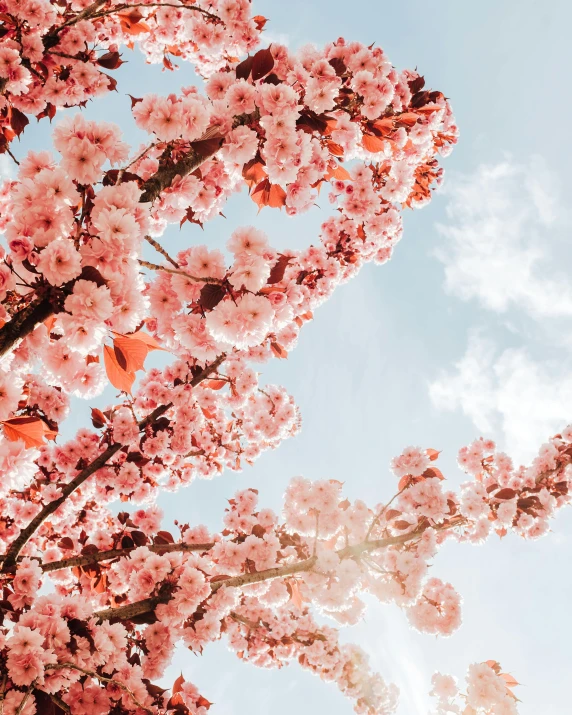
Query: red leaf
x=178 y=684
x=207 y=147
x=121 y=379
x=211 y=295
x=278 y=270
x=243 y=69
x=267 y=194
x=110 y=60
x=505 y=494
x=509 y=680
x=403 y=482
x=401 y=524
x=134 y=353
x=164 y=537
x=18 y=120
x=338 y=65
x=279 y=351
x=98 y=419
x=432 y=472
x=433 y=454
x=66 y=543
x=260 y=21
x=262 y=64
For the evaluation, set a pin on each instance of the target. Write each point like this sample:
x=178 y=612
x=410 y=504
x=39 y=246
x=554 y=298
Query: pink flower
x=243 y=325
x=249 y=271
x=413 y=461
x=59 y=262
x=248 y=240
x=89 y=301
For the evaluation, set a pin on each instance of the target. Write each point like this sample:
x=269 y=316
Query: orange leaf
x=385 y=126
x=432 y=472
x=134 y=352
x=295 y=595
x=433 y=454
x=134 y=349
x=407 y=118
x=178 y=684
x=267 y=194
x=215 y=384
x=334 y=148
x=31 y=430
x=338 y=173
x=279 y=351
x=121 y=379
x=509 y=680
x=372 y=144
x=260 y=21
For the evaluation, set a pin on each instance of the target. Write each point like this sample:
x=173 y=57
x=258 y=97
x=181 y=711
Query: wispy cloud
x=496 y=248
x=507 y=393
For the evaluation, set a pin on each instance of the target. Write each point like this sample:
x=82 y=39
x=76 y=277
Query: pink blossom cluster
x=52 y=58
x=489 y=692
x=261 y=582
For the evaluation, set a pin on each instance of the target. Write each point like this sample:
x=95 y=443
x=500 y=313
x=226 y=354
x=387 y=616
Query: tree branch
x=26 y=320
x=140 y=607
x=26 y=533
x=159 y=248
x=164 y=177
x=23 y=323
x=86 y=559
x=176 y=271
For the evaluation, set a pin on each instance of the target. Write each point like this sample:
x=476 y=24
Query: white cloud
x=507 y=393
x=503 y=219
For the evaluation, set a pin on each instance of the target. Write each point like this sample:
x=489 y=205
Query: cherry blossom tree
x=81 y=308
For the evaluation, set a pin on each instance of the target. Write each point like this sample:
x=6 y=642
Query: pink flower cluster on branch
x=127 y=592
x=81 y=307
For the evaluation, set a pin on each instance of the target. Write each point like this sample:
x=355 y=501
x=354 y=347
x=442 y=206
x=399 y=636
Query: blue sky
x=465 y=332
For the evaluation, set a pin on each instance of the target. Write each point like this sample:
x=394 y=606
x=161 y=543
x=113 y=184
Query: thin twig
x=120 y=8
x=12 y=155
x=177 y=271
x=159 y=248
x=382 y=512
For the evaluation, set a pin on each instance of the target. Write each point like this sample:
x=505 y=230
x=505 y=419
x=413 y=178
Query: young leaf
x=31 y=430
x=121 y=379
x=262 y=64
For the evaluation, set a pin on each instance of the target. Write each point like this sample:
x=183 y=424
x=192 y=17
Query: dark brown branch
x=26 y=533
x=176 y=271
x=86 y=559
x=140 y=607
x=23 y=323
x=164 y=177
x=26 y=320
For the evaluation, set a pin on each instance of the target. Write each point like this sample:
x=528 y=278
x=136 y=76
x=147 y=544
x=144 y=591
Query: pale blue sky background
x=464 y=332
